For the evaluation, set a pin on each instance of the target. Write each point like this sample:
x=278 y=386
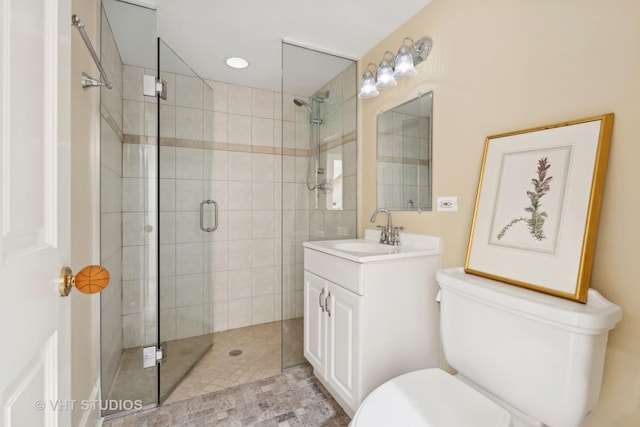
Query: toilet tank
x=540 y=353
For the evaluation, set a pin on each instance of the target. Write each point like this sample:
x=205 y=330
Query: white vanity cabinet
x=369 y=312
x=330 y=329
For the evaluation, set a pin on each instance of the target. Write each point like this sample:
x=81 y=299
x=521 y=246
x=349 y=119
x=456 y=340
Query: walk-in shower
x=162 y=161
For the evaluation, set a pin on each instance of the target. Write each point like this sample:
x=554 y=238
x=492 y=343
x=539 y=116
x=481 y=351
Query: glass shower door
x=187 y=219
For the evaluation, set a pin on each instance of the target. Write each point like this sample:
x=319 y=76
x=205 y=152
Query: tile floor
x=291 y=399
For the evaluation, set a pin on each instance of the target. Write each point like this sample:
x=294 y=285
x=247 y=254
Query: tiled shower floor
x=261 y=357
x=132 y=382
x=217 y=370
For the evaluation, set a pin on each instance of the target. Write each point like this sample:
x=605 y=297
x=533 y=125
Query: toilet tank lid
x=596 y=316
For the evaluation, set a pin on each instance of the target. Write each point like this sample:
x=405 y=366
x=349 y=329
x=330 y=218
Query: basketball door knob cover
x=92 y=279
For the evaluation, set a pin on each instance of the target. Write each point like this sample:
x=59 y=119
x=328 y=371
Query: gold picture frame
x=538 y=204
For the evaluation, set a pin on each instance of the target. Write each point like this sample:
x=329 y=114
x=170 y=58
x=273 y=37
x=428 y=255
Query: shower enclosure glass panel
x=318 y=170
x=187 y=216
x=128 y=205
x=154 y=177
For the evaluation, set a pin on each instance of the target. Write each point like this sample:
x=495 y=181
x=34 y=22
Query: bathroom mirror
x=404 y=155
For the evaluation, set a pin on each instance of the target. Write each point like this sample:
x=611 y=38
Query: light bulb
x=368 y=86
x=404 y=65
x=385 y=76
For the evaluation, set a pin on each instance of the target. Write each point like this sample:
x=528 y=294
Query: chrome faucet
x=389 y=235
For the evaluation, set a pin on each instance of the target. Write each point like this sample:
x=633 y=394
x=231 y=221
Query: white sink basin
x=364 y=247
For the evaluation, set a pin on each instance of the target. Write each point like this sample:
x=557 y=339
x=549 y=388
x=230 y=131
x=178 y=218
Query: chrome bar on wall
x=88 y=81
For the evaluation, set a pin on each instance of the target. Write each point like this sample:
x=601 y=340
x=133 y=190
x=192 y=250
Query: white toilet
x=523 y=358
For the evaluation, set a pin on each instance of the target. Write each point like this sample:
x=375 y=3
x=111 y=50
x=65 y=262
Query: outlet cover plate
x=447 y=204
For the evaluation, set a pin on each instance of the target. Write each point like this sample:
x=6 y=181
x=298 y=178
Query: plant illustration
x=535 y=221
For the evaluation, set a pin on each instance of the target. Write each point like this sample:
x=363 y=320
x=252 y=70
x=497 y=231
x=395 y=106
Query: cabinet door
x=314 y=321
x=342 y=343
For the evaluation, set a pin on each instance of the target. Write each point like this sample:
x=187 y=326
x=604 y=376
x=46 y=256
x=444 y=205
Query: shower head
x=301 y=103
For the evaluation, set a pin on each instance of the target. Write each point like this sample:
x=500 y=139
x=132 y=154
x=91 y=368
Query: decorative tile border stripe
x=106 y=115
x=241 y=148
x=403 y=160
x=341 y=140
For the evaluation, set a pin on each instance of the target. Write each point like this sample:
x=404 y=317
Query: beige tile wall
x=246 y=182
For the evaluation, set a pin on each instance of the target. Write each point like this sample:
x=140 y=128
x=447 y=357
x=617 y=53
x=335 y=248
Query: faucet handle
x=384 y=233
x=395 y=238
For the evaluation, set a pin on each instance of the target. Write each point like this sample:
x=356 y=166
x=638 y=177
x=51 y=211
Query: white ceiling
x=206 y=32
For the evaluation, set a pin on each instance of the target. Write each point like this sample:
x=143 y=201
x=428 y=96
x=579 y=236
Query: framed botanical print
x=538 y=204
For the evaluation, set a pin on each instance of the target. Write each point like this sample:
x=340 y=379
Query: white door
x=34 y=212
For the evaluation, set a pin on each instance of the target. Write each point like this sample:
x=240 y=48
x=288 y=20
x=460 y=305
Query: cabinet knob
x=90 y=280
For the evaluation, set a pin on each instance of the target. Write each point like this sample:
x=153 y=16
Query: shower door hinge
x=161 y=353
x=154 y=87
x=151 y=356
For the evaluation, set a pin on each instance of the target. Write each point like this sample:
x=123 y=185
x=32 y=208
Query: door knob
x=90 y=280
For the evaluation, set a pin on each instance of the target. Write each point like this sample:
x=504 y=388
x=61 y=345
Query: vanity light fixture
x=237 y=62
x=392 y=69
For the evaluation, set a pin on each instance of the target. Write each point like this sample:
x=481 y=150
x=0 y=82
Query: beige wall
x=85 y=357
x=505 y=65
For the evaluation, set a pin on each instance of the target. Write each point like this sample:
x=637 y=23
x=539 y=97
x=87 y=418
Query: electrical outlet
x=447 y=204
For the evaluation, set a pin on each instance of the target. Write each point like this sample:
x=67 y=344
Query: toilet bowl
x=429 y=397
x=523 y=359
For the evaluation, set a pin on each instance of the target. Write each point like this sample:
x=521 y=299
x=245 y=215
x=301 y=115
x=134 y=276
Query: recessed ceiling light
x=236 y=62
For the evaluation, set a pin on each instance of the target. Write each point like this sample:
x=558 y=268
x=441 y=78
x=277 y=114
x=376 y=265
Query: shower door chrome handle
x=215 y=215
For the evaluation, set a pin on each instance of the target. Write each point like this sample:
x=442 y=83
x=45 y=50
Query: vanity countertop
x=369 y=249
